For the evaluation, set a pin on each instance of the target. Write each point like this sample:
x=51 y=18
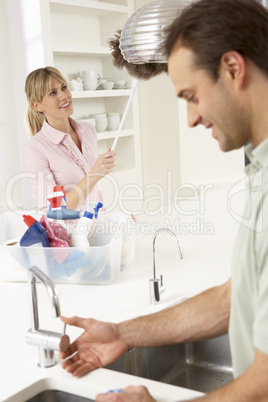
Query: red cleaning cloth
x=56 y=233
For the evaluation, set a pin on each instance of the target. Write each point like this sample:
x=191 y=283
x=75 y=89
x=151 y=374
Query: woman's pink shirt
x=52 y=158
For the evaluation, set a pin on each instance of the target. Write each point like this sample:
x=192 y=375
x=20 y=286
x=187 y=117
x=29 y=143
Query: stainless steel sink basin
x=201 y=366
x=57 y=396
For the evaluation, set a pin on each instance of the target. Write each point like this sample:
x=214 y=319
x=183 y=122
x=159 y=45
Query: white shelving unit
x=81 y=50
x=75 y=40
x=101 y=93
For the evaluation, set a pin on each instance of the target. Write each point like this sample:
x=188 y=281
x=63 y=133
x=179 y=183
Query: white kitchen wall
x=202 y=161
x=21 y=28
x=160 y=141
x=9 y=150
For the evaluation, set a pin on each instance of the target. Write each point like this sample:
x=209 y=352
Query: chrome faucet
x=46 y=341
x=156 y=285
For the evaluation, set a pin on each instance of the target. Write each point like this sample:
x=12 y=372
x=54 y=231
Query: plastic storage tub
x=123 y=225
x=98 y=264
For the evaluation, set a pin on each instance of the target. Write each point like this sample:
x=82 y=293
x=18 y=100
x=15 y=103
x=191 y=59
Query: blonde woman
x=61 y=151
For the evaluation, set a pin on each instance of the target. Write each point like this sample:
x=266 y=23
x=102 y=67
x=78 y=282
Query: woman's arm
x=104 y=165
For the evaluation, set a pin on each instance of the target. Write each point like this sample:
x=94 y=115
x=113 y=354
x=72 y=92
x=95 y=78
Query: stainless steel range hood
x=144 y=32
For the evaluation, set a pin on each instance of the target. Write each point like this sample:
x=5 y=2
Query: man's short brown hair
x=211 y=28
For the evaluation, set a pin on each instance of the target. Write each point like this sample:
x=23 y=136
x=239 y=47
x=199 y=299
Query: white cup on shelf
x=74 y=85
x=101 y=121
x=81 y=82
x=91 y=80
x=113 y=121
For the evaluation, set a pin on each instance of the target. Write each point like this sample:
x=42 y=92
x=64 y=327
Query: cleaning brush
x=140 y=71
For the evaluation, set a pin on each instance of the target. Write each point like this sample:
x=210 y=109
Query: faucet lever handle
x=65 y=340
x=162 y=286
x=64 y=343
x=161 y=280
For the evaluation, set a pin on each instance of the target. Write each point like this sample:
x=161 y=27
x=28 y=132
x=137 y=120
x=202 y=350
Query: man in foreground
x=218 y=62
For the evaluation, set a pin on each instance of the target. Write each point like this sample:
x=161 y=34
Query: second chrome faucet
x=156 y=284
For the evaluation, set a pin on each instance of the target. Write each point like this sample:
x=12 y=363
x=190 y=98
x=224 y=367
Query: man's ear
x=37 y=107
x=233 y=67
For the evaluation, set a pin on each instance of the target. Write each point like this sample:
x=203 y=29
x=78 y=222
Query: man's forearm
x=201 y=317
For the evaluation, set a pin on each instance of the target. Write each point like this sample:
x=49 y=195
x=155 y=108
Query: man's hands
x=98 y=346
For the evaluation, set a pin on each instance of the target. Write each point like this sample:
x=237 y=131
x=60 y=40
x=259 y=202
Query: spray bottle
x=63 y=201
x=79 y=237
x=35 y=235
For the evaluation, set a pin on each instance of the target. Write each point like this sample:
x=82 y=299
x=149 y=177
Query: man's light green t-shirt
x=248 y=327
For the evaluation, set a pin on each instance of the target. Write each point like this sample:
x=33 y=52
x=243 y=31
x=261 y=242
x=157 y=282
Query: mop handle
x=136 y=82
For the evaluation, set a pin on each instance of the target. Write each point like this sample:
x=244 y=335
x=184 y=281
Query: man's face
x=215 y=104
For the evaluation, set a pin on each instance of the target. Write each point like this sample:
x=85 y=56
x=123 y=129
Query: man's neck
x=259 y=107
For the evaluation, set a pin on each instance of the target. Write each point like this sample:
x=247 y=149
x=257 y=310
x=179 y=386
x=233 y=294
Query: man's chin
x=227 y=147
x=224 y=147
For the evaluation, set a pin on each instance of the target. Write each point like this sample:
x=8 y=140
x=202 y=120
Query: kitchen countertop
x=207 y=239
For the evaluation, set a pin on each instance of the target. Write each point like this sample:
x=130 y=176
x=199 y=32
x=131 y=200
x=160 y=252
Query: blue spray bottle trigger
x=88 y=215
x=35 y=233
x=96 y=209
x=64 y=206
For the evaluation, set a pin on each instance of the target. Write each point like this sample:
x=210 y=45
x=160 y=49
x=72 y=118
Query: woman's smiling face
x=57 y=103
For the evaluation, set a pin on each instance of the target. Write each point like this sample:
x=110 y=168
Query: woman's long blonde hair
x=37 y=85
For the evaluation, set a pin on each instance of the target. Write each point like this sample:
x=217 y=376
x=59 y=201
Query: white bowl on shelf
x=120 y=84
x=91 y=121
x=108 y=85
